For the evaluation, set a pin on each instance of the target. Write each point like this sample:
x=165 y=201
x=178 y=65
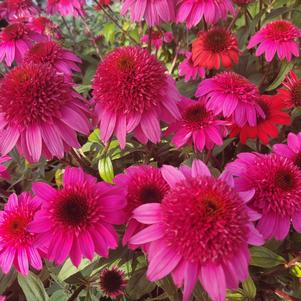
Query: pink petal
x=148 y=234
x=148 y=213
x=172 y=175
x=199 y=168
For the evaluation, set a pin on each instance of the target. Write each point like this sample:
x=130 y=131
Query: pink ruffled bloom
x=291 y=150
x=277 y=184
x=197 y=125
x=188 y=70
x=279 y=36
x=133 y=93
x=154 y=12
x=18 y=245
x=50 y=52
x=20 y=9
x=232 y=95
x=15 y=40
x=3 y=169
x=40 y=112
x=200 y=231
x=77 y=220
x=191 y=11
x=142 y=185
x=66 y=7
x=45 y=26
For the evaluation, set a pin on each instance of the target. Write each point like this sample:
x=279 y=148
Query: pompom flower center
x=297 y=160
x=216 y=40
x=284 y=180
x=204 y=219
x=13 y=32
x=151 y=194
x=281 y=30
x=111 y=281
x=296 y=93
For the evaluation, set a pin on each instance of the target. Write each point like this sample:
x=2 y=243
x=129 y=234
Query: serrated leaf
x=249 y=288
x=32 y=287
x=105 y=169
x=265 y=258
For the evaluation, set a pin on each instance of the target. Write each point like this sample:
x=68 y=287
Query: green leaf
x=235 y=296
x=249 y=288
x=187 y=89
x=94 y=136
x=105 y=169
x=108 y=32
x=265 y=258
x=59 y=295
x=6 y=280
x=284 y=70
x=32 y=287
x=170 y=289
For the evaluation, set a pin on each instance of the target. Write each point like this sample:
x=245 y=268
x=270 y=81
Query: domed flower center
x=150 y=194
x=125 y=63
x=296 y=93
x=111 y=281
x=281 y=31
x=13 y=32
x=285 y=180
x=17 y=226
x=216 y=40
x=204 y=219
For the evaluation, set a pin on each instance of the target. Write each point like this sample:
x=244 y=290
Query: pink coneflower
x=212 y=11
x=277 y=184
x=40 y=112
x=50 y=52
x=3 y=169
x=157 y=38
x=45 y=26
x=197 y=125
x=201 y=230
x=21 y=8
x=133 y=93
x=188 y=70
x=78 y=219
x=291 y=150
x=17 y=244
x=215 y=47
x=142 y=185
x=15 y=40
x=154 y=12
x=66 y=7
x=112 y=282
x=281 y=36
x=232 y=95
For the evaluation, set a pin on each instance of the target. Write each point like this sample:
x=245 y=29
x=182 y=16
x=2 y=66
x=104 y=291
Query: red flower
x=265 y=128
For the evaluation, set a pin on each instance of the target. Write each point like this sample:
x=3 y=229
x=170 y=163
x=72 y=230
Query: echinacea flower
x=212 y=11
x=157 y=38
x=200 y=231
x=3 y=169
x=20 y=8
x=198 y=125
x=112 y=282
x=18 y=245
x=15 y=40
x=133 y=93
x=277 y=184
x=279 y=36
x=291 y=150
x=154 y=12
x=265 y=128
x=215 y=47
x=188 y=70
x=290 y=94
x=45 y=26
x=40 y=112
x=77 y=220
x=142 y=185
x=50 y=52
x=66 y=7
x=232 y=95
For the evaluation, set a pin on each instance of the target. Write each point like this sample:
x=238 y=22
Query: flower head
x=77 y=220
x=188 y=70
x=45 y=26
x=265 y=127
x=39 y=112
x=277 y=184
x=213 y=47
x=18 y=245
x=200 y=231
x=133 y=93
x=157 y=38
x=3 y=169
x=112 y=282
x=50 y=52
x=66 y=7
x=280 y=36
x=212 y=11
x=232 y=95
x=20 y=8
x=197 y=125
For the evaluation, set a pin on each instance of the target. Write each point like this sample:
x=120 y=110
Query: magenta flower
x=232 y=95
x=188 y=70
x=277 y=184
x=40 y=112
x=66 y=7
x=133 y=93
x=15 y=40
x=212 y=11
x=18 y=245
x=3 y=169
x=291 y=150
x=197 y=125
x=200 y=231
x=154 y=12
x=20 y=9
x=45 y=26
x=50 y=52
x=142 y=185
x=281 y=36
x=77 y=220
x=157 y=38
